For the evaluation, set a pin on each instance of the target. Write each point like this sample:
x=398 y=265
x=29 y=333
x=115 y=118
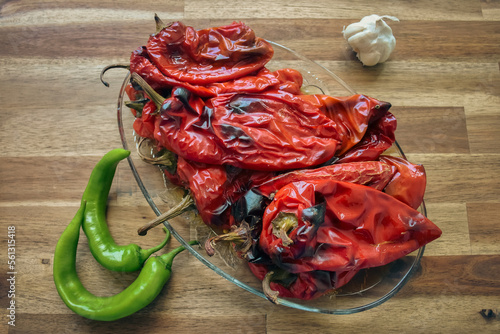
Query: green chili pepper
x=110 y=255
x=153 y=276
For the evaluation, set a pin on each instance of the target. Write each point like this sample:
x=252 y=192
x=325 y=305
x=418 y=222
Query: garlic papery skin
x=371 y=38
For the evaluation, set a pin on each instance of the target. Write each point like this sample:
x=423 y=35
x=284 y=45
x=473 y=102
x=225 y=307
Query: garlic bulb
x=371 y=38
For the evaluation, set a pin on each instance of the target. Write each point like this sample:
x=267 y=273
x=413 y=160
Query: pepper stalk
x=239 y=235
x=284 y=223
x=277 y=275
x=153 y=95
x=105 y=69
x=186 y=204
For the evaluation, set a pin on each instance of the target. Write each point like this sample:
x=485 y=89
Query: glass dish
x=368 y=289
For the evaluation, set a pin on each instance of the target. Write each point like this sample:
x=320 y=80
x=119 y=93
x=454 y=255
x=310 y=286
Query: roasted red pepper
x=305 y=286
x=300 y=181
x=215 y=188
x=269 y=131
x=248 y=209
x=339 y=226
x=255 y=82
x=290 y=80
x=408 y=182
x=379 y=137
x=210 y=55
x=375 y=174
x=353 y=115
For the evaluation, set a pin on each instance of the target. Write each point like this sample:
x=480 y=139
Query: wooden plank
x=426 y=10
x=437 y=314
x=431 y=129
x=437 y=84
x=319 y=39
x=490 y=9
x=483 y=132
x=105 y=9
x=55 y=179
x=464 y=284
x=65 y=132
x=154 y=323
x=461 y=178
x=484 y=229
x=451 y=218
x=471 y=276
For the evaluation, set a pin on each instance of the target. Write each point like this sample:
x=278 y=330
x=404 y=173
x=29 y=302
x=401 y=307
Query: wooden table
x=57 y=120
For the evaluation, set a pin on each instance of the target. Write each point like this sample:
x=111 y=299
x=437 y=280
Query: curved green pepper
x=104 y=249
x=153 y=276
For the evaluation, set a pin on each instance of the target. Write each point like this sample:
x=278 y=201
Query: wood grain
x=57 y=120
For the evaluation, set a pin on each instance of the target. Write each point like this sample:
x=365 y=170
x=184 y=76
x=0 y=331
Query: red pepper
x=375 y=174
x=356 y=227
x=144 y=124
x=215 y=188
x=271 y=131
x=353 y=115
x=248 y=208
x=305 y=286
x=210 y=55
x=408 y=182
x=290 y=80
x=379 y=137
x=255 y=82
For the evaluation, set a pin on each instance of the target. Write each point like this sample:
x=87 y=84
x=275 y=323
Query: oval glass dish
x=368 y=289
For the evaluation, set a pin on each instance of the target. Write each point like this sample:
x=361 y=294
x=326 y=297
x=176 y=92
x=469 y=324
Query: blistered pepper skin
x=204 y=56
x=408 y=182
x=362 y=228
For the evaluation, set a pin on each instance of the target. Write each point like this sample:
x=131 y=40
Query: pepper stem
x=270 y=294
x=167 y=158
x=239 y=235
x=159 y=24
x=137 y=105
x=282 y=277
x=184 y=205
x=282 y=224
x=169 y=257
x=145 y=253
x=153 y=95
x=104 y=70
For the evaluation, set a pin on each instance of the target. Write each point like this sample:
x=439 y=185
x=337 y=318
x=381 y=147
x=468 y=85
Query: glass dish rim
x=402 y=282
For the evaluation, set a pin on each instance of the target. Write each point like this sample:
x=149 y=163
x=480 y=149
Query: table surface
x=57 y=120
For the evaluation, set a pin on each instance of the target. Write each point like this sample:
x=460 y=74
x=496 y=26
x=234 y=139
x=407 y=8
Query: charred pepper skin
x=126 y=258
x=153 y=276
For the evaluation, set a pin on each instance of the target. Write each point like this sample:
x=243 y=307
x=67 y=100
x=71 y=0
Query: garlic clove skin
x=371 y=39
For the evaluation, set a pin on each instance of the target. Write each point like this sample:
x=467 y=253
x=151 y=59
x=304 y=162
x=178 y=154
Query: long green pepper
x=153 y=276
x=102 y=246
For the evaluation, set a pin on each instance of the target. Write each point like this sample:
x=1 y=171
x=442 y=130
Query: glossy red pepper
x=269 y=131
x=144 y=123
x=305 y=286
x=353 y=115
x=379 y=137
x=408 y=182
x=375 y=174
x=215 y=188
x=255 y=82
x=209 y=55
x=248 y=208
x=356 y=227
x=273 y=130
x=290 y=80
